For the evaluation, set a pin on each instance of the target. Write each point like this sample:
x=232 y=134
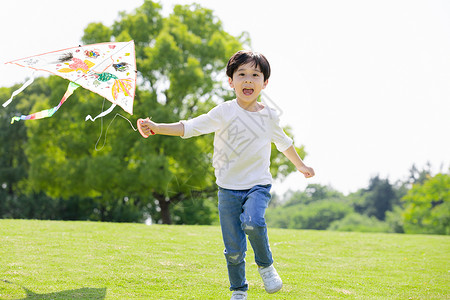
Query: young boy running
x=244 y=130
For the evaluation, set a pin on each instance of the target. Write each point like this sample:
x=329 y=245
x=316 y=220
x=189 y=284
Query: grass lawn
x=87 y=260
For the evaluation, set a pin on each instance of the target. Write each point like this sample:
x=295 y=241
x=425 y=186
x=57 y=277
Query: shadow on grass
x=82 y=293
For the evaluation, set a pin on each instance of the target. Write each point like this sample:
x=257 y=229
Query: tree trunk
x=165 y=211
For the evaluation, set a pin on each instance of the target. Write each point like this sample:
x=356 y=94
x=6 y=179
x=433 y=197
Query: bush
x=427 y=206
x=361 y=223
x=316 y=215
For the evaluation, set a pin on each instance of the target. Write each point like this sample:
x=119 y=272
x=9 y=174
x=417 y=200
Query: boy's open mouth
x=247 y=92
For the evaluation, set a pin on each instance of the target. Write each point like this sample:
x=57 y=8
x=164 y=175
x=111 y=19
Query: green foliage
x=377 y=199
x=96 y=32
x=419 y=176
x=318 y=215
x=394 y=219
x=196 y=211
x=316 y=208
x=360 y=223
x=424 y=208
x=280 y=166
x=312 y=193
x=142 y=26
x=322 y=207
x=14 y=166
x=427 y=206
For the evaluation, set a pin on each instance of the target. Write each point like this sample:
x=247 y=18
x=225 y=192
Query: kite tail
x=16 y=92
x=49 y=112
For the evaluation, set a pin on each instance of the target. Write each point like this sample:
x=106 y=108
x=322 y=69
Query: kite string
x=107 y=128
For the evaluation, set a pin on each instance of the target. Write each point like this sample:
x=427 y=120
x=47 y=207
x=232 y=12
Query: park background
x=361 y=86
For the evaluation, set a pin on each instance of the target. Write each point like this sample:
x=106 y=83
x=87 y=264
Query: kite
x=108 y=69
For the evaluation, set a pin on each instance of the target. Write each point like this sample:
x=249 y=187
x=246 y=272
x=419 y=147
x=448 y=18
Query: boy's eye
x=256 y=75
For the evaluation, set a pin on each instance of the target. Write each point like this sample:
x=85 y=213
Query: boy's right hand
x=145 y=127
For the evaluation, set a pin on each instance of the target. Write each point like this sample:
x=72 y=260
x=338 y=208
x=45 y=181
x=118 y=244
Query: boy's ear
x=230 y=81
x=265 y=83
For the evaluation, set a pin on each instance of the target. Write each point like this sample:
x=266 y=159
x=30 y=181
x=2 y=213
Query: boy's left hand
x=307 y=171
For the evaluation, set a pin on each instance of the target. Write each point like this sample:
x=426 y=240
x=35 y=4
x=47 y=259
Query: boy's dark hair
x=243 y=57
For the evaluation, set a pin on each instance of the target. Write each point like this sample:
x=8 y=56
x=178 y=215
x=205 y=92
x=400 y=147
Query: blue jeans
x=241 y=213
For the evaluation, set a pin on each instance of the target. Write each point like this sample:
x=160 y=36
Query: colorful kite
x=108 y=69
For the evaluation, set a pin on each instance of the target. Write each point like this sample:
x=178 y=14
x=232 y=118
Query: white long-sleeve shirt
x=242 y=143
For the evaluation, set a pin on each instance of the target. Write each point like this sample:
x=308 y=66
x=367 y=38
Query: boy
x=244 y=129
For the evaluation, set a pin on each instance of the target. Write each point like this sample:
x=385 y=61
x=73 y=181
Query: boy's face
x=248 y=82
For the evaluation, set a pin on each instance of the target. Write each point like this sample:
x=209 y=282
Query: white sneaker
x=271 y=279
x=239 y=295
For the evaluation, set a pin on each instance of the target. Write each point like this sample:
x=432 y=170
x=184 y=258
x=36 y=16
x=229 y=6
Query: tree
x=179 y=58
x=312 y=193
x=427 y=206
x=13 y=162
x=319 y=215
x=377 y=199
x=419 y=176
x=315 y=208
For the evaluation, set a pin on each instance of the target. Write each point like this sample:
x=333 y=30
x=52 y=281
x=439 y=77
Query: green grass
x=86 y=260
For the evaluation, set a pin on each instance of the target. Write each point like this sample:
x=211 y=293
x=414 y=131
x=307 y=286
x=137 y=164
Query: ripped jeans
x=242 y=213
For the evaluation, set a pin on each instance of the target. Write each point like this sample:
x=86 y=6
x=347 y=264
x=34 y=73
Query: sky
x=364 y=85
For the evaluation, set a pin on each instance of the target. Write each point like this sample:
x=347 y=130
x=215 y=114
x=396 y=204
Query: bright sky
x=365 y=85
